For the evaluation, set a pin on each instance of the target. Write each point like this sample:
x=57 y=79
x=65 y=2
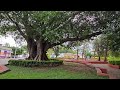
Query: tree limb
x=73 y=15
x=76 y=39
x=17 y=25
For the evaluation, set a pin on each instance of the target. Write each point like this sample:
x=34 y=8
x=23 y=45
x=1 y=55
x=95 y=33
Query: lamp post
x=15 y=51
x=105 y=53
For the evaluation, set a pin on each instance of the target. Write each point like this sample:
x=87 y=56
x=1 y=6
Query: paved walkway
x=3 y=68
x=113 y=72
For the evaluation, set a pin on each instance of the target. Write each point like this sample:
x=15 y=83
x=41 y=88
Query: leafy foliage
x=100 y=44
x=114 y=40
x=18 y=51
x=45 y=23
x=56 y=50
x=51 y=28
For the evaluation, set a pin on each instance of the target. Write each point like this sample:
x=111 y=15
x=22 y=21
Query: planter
x=102 y=72
x=3 y=69
x=114 y=66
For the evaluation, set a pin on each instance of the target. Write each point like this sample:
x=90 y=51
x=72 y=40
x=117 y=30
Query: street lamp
x=15 y=51
x=105 y=53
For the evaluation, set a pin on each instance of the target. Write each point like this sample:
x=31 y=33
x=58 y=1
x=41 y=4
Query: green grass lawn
x=66 y=71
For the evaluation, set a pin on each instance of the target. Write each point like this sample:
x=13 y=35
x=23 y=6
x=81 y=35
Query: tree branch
x=73 y=15
x=17 y=25
x=76 y=39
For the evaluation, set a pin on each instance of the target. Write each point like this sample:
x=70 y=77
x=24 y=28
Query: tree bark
x=32 y=48
x=77 y=54
x=99 y=58
x=41 y=50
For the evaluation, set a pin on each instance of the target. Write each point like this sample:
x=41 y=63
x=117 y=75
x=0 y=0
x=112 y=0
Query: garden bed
x=102 y=72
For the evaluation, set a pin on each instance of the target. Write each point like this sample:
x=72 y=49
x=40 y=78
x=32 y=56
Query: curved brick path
x=112 y=72
x=3 y=68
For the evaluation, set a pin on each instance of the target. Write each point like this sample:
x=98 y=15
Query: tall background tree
x=56 y=50
x=101 y=46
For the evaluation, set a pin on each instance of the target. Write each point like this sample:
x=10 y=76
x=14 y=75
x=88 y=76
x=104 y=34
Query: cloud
x=8 y=39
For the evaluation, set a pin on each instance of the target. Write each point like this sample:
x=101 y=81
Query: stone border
x=114 y=66
x=3 y=69
x=98 y=62
x=102 y=71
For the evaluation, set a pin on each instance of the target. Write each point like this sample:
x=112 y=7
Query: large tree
x=101 y=46
x=45 y=29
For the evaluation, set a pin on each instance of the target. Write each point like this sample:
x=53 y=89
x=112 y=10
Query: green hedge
x=114 y=62
x=31 y=63
x=113 y=58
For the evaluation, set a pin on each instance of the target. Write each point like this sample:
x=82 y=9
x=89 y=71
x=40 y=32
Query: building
x=5 y=52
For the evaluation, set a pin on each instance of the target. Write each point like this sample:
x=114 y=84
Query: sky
x=8 y=39
x=11 y=41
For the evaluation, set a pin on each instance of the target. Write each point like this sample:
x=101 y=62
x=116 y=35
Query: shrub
x=113 y=58
x=31 y=63
x=114 y=62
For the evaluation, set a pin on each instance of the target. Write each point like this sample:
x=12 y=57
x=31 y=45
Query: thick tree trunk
x=77 y=55
x=44 y=55
x=41 y=50
x=32 y=49
x=99 y=58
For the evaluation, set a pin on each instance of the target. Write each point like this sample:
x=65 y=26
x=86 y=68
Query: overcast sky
x=9 y=40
